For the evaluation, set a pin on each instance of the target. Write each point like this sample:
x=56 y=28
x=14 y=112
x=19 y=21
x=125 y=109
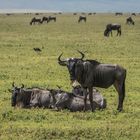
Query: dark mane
x=94 y=62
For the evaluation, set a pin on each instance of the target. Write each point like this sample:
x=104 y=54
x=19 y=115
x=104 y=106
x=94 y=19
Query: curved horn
x=61 y=62
x=81 y=55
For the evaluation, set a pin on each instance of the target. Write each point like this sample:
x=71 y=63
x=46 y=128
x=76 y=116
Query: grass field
x=19 y=63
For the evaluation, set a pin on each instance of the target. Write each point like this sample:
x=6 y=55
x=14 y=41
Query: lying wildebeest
x=37 y=49
x=91 y=73
x=76 y=103
x=110 y=27
x=82 y=18
x=31 y=97
x=35 y=20
x=129 y=21
x=41 y=98
x=118 y=13
x=20 y=96
x=45 y=19
x=52 y=18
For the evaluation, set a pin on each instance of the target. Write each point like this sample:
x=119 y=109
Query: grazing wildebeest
x=20 y=96
x=52 y=18
x=118 y=13
x=76 y=103
x=45 y=19
x=74 y=13
x=91 y=73
x=37 y=49
x=35 y=20
x=89 y=13
x=110 y=27
x=129 y=21
x=133 y=14
x=82 y=18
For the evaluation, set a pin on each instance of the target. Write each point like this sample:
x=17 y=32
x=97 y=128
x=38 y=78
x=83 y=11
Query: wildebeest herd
x=108 y=29
x=35 y=20
x=85 y=76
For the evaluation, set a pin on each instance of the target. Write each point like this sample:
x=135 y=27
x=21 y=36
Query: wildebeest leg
x=120 y=87
x=85 y=99
x=111 y=33
x=91 y=98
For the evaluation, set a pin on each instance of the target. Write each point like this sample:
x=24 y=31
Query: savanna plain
x=21 y=64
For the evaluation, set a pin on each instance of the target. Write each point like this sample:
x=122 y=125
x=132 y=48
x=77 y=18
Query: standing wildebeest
x=130 y=21
x=45 y=19
x=133 y=14
x=91 y=73
x=35 y=20
x=118 y=13
x=52 y=18
x=82 y=18
x=110 y=27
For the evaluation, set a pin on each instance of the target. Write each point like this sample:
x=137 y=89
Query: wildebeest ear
x=13 y=84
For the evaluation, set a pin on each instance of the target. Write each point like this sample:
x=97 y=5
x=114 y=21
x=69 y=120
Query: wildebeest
x=129 y=21
x=74 y=13
x=76 y=103
x=118 y=13
x=32 y=97
x=133 y=14
x=89 y=13
x=20 y=96
x=35 y=20
x=91 y=73
x=52 y=18
x=110 y=27
x=45 y=19
x=41 y=98
x=82 y=18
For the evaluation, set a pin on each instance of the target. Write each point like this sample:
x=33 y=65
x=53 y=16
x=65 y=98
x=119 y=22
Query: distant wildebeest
x=110 y=27
x=37 y=49
x=51 y=18
x=118 y=13
x=45 y=19
x=82 y=18
x=74 y=13
x=89 y=13
x=73 y=102
x=133 y=14
x=20 y=96
x=129 y=21
x=91 y=73
x=94 y=13
x=35 y=20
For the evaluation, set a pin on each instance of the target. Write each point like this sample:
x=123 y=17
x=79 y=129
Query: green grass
x=19 y=63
